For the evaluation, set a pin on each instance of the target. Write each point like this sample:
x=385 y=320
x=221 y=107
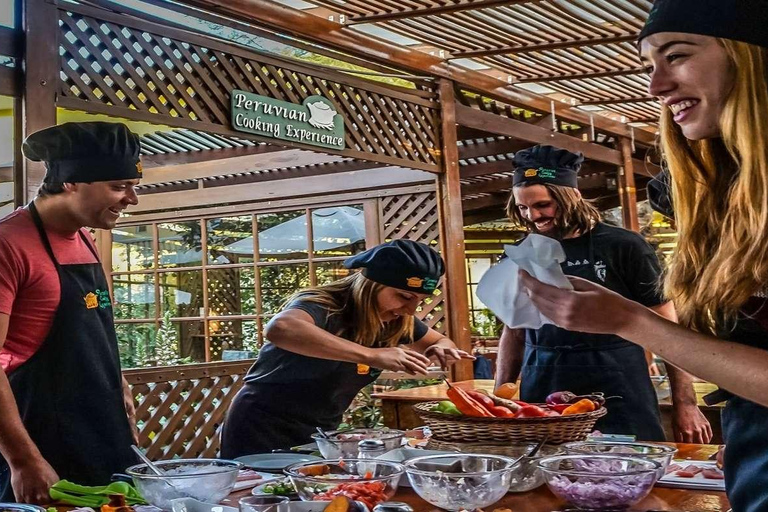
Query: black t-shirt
x=615 y=258
x=278 y=366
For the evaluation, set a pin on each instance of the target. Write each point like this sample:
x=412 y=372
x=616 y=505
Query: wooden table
x=542 y=500
x=397 y=405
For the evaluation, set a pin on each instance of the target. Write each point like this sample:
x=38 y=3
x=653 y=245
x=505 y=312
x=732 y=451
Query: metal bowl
x=207 y=480
x=461 y=481
x=343 y=443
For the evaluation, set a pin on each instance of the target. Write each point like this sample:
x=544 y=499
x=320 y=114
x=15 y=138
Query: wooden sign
x=314 y=122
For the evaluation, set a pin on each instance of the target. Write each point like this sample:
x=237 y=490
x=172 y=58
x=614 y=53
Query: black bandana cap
x=402 y=264
x=660 y=194
x=738 y=20
x=85 y=152
x=547 y=165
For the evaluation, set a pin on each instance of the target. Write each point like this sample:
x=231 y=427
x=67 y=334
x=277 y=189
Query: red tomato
x=501 y=412
x=530 y=411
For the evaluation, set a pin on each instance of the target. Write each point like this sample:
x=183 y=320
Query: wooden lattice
x=119 y=62
x=180 y=409
x=415 y=217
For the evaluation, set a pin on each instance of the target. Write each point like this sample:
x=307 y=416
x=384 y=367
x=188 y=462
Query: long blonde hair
x=720 y=196
x=354 y=299
x=573 y=211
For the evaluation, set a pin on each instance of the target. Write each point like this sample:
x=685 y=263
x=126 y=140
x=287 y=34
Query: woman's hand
x=446 y=356
x=589 y=307
x=399 y=360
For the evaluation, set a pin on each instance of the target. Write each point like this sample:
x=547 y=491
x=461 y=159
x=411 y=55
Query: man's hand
x=32 y=480
x=446 y=356
x=130 y=410
x=690 y=425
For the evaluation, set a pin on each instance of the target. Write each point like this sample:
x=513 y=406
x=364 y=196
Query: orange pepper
x=582 y=406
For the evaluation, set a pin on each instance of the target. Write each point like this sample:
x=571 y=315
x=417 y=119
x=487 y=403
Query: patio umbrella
x=331 y=228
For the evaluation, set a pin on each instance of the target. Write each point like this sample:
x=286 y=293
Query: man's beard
x=557 y=232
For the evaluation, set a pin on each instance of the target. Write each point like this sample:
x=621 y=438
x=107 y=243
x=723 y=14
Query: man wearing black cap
x=65 y=412
x=546 y=200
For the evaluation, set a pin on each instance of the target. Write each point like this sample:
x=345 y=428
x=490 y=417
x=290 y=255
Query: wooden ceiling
x=578 y=51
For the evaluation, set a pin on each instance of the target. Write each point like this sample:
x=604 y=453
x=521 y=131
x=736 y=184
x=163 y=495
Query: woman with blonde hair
x=331 y=341
x=708 y=63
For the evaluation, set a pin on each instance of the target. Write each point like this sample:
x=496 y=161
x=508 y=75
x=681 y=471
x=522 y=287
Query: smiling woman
x=708 y=61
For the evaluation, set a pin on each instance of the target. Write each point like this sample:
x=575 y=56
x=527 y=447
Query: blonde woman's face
x=692 y=77
x=393 y=303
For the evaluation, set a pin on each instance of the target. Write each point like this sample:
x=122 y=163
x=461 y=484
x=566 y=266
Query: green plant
x=166 y=344
x=365 y=411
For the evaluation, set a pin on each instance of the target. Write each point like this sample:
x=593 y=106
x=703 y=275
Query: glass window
x=282 y=236
x=7 y=194
x=329 y=271
x=182 y=293
x=193 y=295
x=231 y=291
x=134 y=295
x=132 y=248
x=136 y=344
x=7 y=13
x=338 y=231
x=279 y=282
x=180 y=244
x=230 y=240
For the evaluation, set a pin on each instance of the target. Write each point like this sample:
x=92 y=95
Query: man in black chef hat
x=545 y=199
x=65 y=406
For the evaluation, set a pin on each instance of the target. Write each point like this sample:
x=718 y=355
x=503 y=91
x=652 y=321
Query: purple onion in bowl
x=600 y=482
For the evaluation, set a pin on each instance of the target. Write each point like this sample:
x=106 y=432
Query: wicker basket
x=466 y=429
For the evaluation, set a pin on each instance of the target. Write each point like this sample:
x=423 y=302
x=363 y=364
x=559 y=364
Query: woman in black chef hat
x=331 y=341
x=708 y=64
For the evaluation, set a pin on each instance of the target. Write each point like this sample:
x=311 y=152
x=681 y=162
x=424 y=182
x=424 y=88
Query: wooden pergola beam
x=10 y=81
x=328 y=33
x=11 y=42
x=499 y=125
x=479 y=216
x=489 y=201
x=193 y=157
x=432 y=11
x=616 y=101
x=542 y=47
x=487 y=186
x=580 y=76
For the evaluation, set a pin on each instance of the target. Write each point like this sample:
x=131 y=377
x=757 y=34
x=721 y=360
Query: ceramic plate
x=274 y=462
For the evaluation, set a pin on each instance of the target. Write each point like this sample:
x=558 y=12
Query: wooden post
x=41 y=78
x=627 y=190
x=452 y=231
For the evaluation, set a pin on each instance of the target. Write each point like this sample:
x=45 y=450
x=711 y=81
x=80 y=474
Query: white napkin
x=500 y=290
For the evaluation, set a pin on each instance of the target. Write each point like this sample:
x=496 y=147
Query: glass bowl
x=660 y=453
x=343 y=443
x=206 y=480
x=526 y=475
x=600 y=482
x=369 y=481
x=461 y=481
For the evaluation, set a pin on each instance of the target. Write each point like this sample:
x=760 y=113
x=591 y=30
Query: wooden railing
x=180 y=409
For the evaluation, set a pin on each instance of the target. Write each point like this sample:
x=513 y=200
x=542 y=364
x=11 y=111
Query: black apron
x=266 y=417
x=745 y=426
x=559 y=360
x=69 y=393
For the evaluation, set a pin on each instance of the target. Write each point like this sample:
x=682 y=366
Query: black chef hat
x=85 y=152
x=739 y=20
x=547 y=164
x=402 y=264
x=660 y=194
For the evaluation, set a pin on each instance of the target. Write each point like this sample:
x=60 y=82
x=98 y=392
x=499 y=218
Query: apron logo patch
x=91 y=301
x=98 y=299
x=600 y=270
x=363 y=369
